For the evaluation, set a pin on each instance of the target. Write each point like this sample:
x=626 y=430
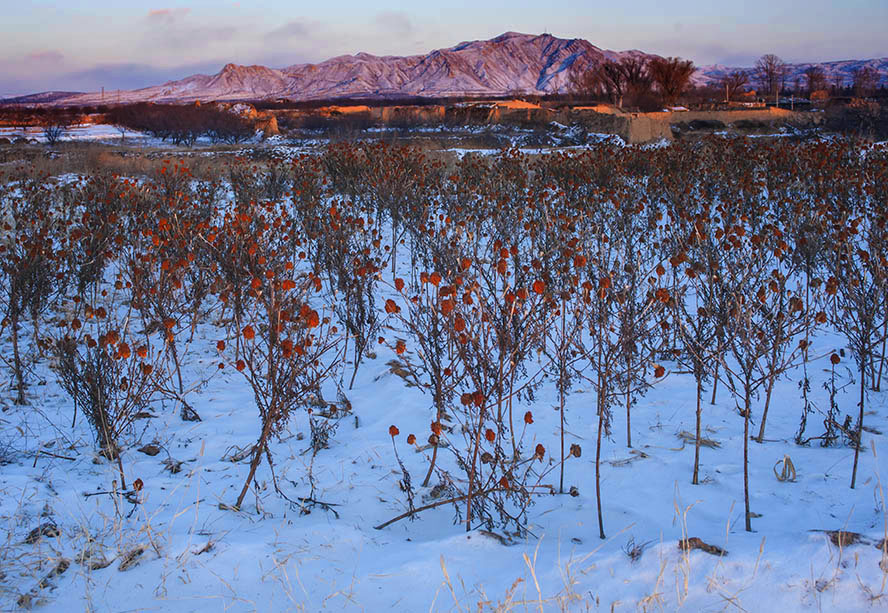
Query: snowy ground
x=307 y=141
x=80 y=132
x=198 y=555
x=270 y=557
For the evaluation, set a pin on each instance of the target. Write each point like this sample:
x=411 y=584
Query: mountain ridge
x=511 y=63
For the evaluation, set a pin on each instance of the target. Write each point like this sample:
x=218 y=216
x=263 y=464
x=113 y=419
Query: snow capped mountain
x=839 y=72
x=510 y=63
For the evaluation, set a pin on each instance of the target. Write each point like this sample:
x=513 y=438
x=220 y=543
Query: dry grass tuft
x=687 y=437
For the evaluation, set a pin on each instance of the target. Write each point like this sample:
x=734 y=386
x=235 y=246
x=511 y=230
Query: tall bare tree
x=865 y=80
x=734 y=83
x=638 y=79
x=770 y=71
x=612 y=80
x=672 y=76
x=815 y=79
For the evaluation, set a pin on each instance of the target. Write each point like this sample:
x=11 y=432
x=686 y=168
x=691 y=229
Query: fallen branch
x=432 y=506
x=61 y=457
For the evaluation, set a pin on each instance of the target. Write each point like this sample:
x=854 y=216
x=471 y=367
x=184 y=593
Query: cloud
x=111 y=76
x=50 y=57
x=173 y=29
x=394 y=22
x=166 y=16
x=300 y=28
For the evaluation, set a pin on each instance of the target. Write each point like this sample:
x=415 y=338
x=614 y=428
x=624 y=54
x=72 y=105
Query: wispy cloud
x=46 y=58
x=176 y=29
x=166 y=16
x=111 y=76
x=299 y=28
x=394 y=22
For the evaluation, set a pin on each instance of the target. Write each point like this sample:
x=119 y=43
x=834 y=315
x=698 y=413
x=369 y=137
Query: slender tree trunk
x=628 y=407
x=254 y=463
x=394 y=248
x=695 y=480
x=598 y=472
x=120 y=469
x=748 y=409
x=425 y=482
x=17 y=364
x=718 y=348
x=772 y=377
x=878 y=383
x=359 y=355
x=472 y=471
x=859 y=440
x=805 y=384
x=561 y=385
x=761 y=434
x=601 y=397
x=439 y=413
x=175 y=353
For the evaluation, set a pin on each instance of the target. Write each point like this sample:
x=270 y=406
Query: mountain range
x=510 y=63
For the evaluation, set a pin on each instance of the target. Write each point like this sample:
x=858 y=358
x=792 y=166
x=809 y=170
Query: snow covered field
x=74 y=541
x=270 y=557
x=81 y=132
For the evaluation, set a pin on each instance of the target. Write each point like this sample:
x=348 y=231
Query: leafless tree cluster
x=486 y=283
x=635 y=82
x=183 y=124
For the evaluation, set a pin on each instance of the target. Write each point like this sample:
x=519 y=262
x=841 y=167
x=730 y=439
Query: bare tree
x=55 y=130
x=612 y=80
x=734 y=83
x=672 y=76
x=770 y=71
x=861 y=298
x=637 y=78
x=815 y=79
x=630 y=76
x=865 y=80
x=838 y=83
x=583 y=84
